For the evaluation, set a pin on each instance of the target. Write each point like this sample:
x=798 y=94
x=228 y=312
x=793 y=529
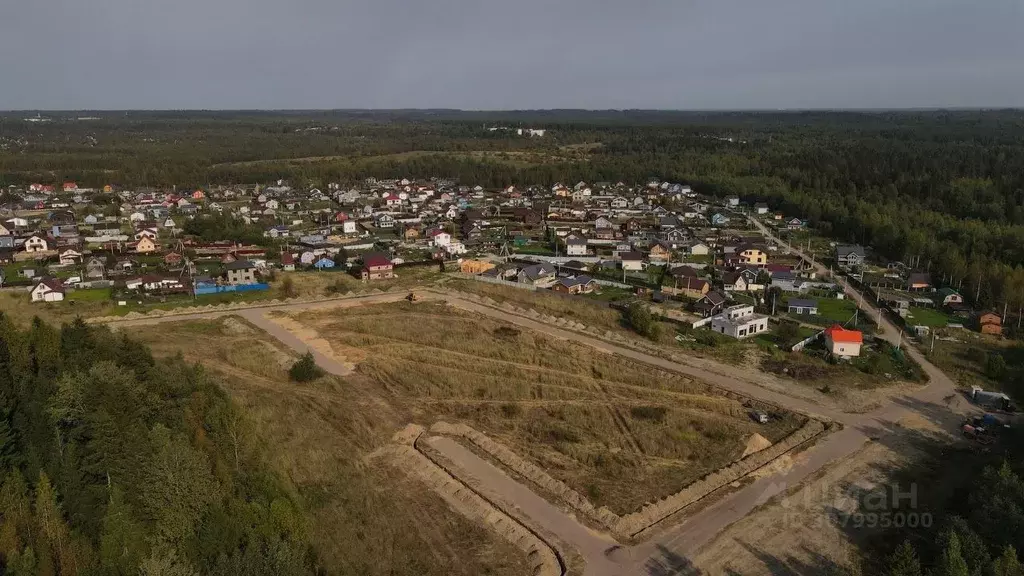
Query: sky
x=512 y=54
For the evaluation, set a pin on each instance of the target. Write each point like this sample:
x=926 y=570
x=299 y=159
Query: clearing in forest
x=619 y=432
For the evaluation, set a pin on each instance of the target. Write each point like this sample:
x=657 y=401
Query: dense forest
x=114 y=463
x=942 y=191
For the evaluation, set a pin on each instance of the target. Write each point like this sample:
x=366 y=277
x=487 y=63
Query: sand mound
x=755 y=443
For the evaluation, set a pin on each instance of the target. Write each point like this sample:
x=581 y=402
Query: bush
x=995 y=367
x=640 y=319
x=653 y=413
x=305 y=369
x=787 y=334
x=288 y=287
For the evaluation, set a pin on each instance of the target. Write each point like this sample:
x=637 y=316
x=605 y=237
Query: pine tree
x=951 y=562
x=122 y=538
x=904 y=561
x=1007 y=564
x=305 y=369
x=52 y=527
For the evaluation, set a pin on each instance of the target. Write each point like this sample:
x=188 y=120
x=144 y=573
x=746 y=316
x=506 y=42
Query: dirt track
x=671 y=548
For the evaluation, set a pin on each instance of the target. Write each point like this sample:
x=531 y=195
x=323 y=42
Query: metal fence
x=202 y=290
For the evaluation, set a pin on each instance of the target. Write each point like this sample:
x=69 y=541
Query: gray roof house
x=803 y=306
x=849 y=255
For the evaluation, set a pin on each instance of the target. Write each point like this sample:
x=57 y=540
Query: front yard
x=928 y=317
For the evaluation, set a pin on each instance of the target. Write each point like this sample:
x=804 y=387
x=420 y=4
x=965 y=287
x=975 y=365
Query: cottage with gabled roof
x=842 y=342
x=48 y=290
x=377 y=266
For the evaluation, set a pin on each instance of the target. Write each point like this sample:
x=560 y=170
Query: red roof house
x=842 y=342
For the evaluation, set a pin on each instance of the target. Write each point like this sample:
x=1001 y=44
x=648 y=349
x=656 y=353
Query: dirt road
x=667 y=552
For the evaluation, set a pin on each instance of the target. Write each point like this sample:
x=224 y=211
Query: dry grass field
x=365 y=516
x=546 y=302
x=618 y=432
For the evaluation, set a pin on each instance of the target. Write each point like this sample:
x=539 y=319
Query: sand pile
x=755 y=443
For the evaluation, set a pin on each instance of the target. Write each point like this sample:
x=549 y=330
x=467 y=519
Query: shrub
x=288 y=287
x=653 y=413
x=995 y=367
x=305 y=369
x=640 y=319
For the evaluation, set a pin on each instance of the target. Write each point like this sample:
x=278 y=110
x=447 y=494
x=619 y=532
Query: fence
x=801 y=344
x=497 y=281
x=206 y=289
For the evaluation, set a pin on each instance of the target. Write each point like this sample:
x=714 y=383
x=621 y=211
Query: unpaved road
x=667 y=552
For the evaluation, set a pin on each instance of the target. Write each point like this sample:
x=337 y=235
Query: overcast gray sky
x=484 y=54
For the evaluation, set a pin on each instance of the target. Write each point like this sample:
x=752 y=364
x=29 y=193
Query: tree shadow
x=815 y=564
x=670 y=564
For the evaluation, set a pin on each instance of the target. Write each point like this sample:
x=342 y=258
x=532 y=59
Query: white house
x=697 y=248
x=632 y=261
x=440 y=238
x=739 y=322
x=455 y=248
x=575 y=246
x=36 y=244
x=349 y=227
x=70 y=256
x=48 y=290
x=385 y=221
x=842 y=342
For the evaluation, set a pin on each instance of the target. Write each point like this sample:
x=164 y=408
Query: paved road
x=681 y=541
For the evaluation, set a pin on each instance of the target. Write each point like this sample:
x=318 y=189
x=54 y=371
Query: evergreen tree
x=951 y=562
x=122 y=541
x=305 y=369
x=904 y=561
x=1007 y=564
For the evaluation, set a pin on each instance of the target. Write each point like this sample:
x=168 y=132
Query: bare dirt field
x=618 y=432
x=811 y=529
x=365 y=516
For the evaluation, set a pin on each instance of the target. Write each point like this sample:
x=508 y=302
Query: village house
x=69 y=257
x=240 y=272
x=145 y=245
x=575 y=285
x=48 y=290
x=948 y=296
x=542 y=275
x=802 y=306
x=710 y=304
x=377 y=266
x=632 y=261
x=660 y=252
x=35 y=244
x=752 y=255
x=575 y=246
x=287 y=262
x=734 y=282
x=739 y=321
x=690 y=287
x=849 y=255
x=919 y=281
x=990 y=323
x=842 y=342
x=439 y=238
x=95 y=268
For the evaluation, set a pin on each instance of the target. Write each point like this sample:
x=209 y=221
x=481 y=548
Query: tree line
x=114 y=463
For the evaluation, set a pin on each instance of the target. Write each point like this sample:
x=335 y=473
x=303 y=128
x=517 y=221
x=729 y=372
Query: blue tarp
x=214 y=289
